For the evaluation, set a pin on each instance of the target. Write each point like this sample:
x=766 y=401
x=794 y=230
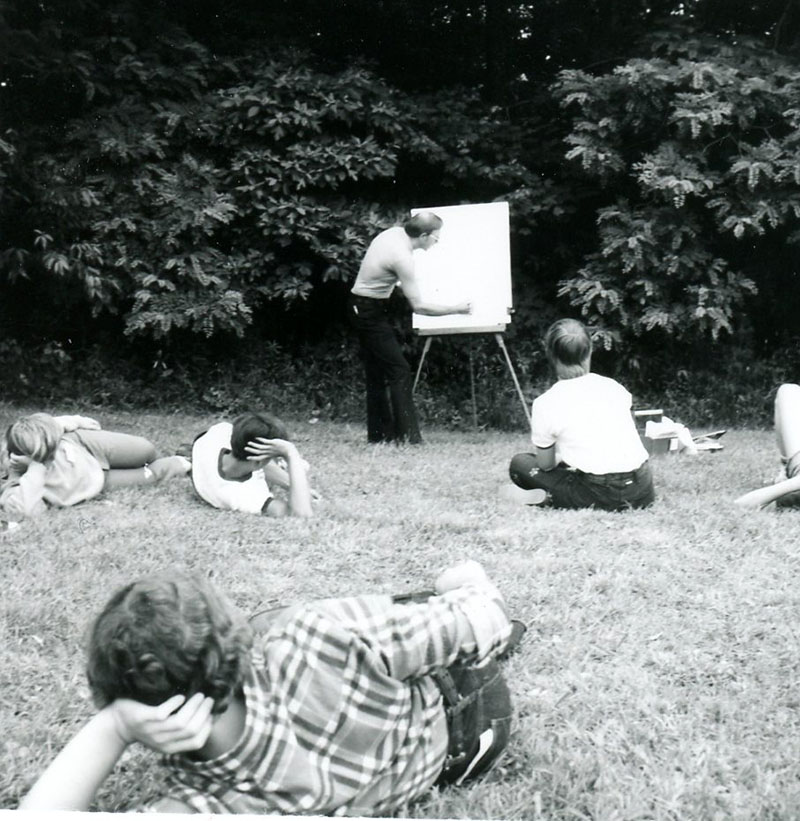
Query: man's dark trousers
x=390 y=415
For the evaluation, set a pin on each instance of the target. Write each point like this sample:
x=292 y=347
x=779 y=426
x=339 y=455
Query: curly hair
x=168 y=634
x=250 y=425
x=36 y=436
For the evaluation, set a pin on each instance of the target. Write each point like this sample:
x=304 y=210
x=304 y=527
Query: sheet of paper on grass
x=470 y=263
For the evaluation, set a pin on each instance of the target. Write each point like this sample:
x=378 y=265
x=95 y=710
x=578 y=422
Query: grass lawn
x=658 y=679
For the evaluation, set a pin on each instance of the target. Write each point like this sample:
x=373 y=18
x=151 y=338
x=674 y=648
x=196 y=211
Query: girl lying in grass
x=64 y=460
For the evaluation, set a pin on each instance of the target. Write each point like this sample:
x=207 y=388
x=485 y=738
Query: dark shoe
x=518 y=630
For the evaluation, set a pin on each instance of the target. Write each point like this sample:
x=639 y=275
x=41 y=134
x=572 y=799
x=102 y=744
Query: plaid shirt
x=340 y=714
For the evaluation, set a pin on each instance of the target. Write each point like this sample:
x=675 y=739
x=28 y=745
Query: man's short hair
x=36 y=436
x=568 y=348
x=249 y=426
x=164 y=635
x=422 y=223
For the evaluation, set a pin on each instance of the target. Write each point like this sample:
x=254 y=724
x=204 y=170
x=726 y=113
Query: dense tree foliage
x=695 y=151
x=206 y=169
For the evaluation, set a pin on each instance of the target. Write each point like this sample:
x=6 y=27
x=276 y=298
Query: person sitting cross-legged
x=588 y=452
x=350 y=706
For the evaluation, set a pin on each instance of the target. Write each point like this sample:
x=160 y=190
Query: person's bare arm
x=404 y=268
x=77 y=422
x=79 y=770
x=766 y=495
x=298 y=488
x=545 y=457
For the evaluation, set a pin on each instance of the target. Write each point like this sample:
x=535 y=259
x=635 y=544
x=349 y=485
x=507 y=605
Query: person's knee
x=148 y=450
x=787 y=392
x=522 y=468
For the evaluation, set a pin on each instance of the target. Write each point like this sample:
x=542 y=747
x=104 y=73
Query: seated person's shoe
x=520 y=496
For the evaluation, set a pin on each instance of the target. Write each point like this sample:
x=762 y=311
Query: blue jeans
x=391 y=415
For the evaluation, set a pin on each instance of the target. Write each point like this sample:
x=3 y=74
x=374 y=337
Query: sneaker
x=513 y=493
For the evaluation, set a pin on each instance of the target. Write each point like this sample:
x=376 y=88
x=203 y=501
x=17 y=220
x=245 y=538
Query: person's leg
x=478 y=708
x=787 y=426
x=523 y=470
x=380 y=421
x=167 y=467
x=117 y=450
x=386 y=352
x=367 y=318
x=405 y=413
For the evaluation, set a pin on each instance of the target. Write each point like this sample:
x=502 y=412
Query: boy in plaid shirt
x=348 y=706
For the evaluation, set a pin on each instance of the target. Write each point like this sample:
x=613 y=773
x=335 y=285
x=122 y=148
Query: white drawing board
x=470 y=263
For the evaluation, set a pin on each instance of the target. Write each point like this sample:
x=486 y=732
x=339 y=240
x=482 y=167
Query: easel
x=501 y=342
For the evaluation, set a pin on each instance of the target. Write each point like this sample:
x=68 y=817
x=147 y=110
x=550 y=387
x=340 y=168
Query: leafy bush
x=694 y=152
x=181 y=192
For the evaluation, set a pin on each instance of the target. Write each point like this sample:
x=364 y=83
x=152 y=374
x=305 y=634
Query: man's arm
x=404 y=268
x=766 y=495
x=545 y=457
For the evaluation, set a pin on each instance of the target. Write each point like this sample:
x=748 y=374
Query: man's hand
x=465 y=308
x=161 y=728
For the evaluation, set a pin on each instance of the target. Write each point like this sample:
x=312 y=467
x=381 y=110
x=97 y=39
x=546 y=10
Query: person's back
x=588 y=452
x=378 y=273
x=588 y=418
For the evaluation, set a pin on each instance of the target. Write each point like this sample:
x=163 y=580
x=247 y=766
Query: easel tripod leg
x=502 y=344
x=425 y=349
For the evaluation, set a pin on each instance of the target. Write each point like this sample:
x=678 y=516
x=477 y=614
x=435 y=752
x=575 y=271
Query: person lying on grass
x=339 y=707
x=234 y=464
x=587 y=450
x=64 y=460
x=785 y=492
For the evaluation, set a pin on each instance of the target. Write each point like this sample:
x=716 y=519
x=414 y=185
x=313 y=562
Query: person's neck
x=234 y=468
x=227 y=730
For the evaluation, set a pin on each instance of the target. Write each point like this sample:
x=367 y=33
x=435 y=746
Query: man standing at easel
x=390 y=261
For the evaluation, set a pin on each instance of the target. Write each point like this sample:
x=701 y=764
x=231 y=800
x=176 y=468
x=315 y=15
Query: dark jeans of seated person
x=574 y=489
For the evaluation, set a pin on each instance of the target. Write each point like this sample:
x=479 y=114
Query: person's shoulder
x=607 y=382
x=219 y=431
